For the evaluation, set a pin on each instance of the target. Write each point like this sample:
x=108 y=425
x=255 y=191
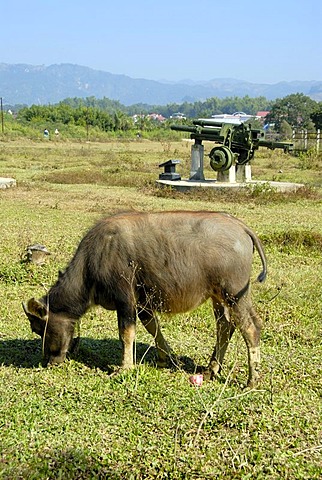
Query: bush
x=310 y=159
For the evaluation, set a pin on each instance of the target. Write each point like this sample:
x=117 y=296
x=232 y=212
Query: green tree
x=285 y=130
x=122 y=121
x=317 y=116
x=295 y=109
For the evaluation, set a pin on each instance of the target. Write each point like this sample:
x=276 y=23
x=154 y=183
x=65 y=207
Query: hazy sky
x=253 y=40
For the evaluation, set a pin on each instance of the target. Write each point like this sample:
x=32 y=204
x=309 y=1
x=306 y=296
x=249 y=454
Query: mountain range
x=30 y=84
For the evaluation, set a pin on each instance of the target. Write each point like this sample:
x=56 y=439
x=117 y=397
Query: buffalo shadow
x=104 y=354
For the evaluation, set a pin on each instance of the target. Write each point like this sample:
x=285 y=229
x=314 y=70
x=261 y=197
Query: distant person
x=57 y=132
x=46 y=133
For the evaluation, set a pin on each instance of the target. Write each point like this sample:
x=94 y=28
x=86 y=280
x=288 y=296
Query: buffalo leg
x=250 y=326
x=126 y=317
x=225 y=330
x=151 y=324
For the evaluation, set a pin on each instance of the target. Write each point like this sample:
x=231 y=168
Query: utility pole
x=2 y=122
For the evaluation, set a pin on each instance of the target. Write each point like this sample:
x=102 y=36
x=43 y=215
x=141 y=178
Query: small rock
x=196 y=380
x=37 y=254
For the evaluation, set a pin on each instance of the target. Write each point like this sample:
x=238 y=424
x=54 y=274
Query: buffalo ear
x=37 y=314
x=36 y=308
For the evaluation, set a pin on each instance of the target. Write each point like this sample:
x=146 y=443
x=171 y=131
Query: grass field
x=76 y=422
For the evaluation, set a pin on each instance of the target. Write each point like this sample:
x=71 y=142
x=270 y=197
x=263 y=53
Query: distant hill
x=29 y=84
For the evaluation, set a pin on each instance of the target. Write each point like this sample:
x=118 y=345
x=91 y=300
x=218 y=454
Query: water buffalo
x=139 y=263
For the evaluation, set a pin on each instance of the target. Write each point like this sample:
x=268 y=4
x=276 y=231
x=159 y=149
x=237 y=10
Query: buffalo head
x=55 y=329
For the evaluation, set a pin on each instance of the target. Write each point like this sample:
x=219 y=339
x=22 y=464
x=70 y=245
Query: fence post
x=317 y=140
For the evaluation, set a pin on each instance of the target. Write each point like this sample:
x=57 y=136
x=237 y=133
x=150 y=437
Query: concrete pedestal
x=228 y=175
x=196 y=172
x=243 y=173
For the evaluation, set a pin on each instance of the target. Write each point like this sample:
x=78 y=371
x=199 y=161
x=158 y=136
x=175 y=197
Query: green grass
x=77 y=422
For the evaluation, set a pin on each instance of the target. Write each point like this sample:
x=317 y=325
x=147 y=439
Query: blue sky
x=256 y=41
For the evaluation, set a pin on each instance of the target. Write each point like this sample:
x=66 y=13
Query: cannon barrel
x=204 y=122
x=183 y=128
x=197 y=129
x=286 y=146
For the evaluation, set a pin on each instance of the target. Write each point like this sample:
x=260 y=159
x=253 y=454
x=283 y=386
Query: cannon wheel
x=221 y=158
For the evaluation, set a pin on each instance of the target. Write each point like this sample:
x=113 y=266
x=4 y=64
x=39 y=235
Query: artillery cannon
x=235 y=147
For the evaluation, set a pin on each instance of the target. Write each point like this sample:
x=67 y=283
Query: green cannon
x=235 y=143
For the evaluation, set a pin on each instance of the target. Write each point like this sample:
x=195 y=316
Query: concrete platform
x=184 y=185
x=7 y=182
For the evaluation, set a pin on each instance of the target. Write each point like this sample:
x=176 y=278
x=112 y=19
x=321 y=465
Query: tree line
x=293 y=111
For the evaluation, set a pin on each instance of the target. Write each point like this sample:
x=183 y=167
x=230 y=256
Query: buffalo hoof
x=118 y=371
x=172 y=361
x=210 y=374
x=251 y=384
